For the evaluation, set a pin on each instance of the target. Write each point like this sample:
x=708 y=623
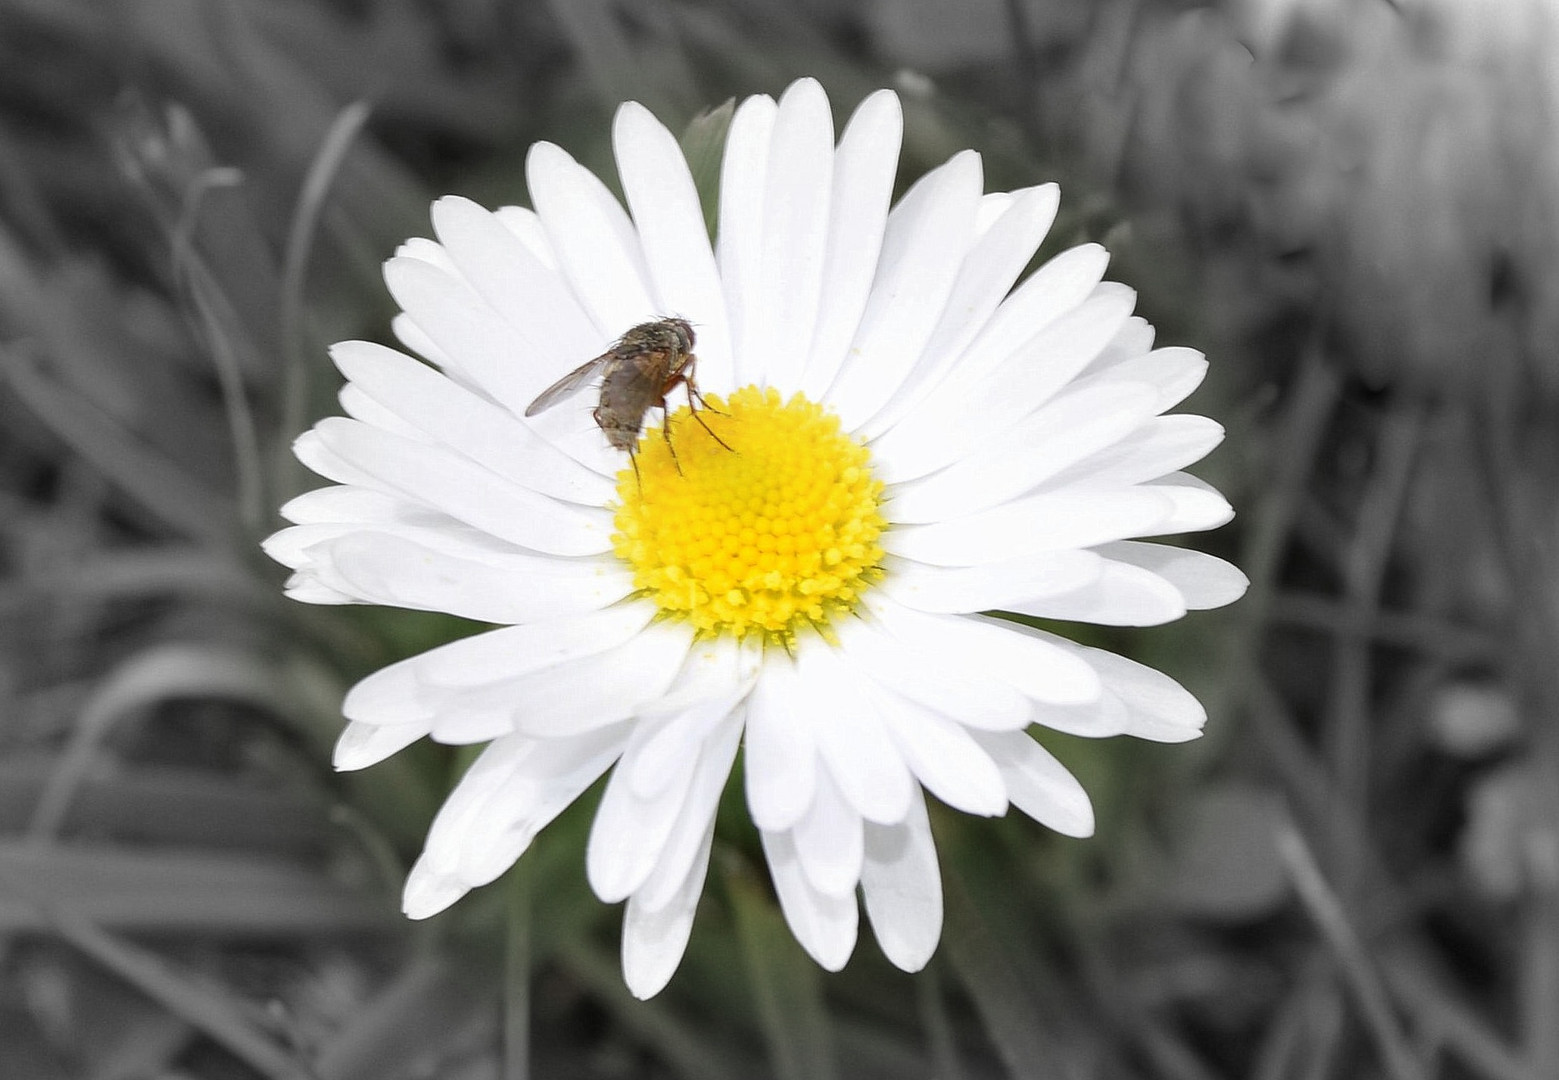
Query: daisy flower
x=896 y=437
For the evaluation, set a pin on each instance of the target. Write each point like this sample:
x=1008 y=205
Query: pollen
x=774 y=533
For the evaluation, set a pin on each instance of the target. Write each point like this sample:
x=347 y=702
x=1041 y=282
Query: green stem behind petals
x=703 y=144
x=517 y=975
x=786 y=984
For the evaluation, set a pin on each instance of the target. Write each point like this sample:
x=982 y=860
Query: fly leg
x=692 y=393
x=665 y=432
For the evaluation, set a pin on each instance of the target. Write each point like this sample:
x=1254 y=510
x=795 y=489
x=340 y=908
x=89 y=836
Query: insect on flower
x=640 y=369
x=814 y=602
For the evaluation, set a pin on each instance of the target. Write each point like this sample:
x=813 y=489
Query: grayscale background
x=1352 y=206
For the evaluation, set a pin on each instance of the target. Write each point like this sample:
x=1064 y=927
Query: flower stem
x=517 y=973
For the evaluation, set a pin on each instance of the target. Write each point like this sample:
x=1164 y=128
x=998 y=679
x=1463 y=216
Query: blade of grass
x=1299 y=439
x=613 y=63
x=1438 y=639
x=786 y=984
x=685 y=1049
x=1348 y=735
x=195 y=892
x=1421 y=991
x=517 y=974
x=146 y=1049
x=1326 y=910
x=148 y=677
x=1519 y=486
x=985 y=969
x=217 y=323
x=931 y=1007
x=317 y=187
x=424 y=1008
x=162 y=804
x=174 y=568
x=152 y=481
x=203 y=1005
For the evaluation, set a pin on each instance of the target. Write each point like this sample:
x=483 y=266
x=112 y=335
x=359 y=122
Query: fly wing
x=568 y=384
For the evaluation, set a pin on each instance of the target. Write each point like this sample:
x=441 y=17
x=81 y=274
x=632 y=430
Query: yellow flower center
x=773 y=535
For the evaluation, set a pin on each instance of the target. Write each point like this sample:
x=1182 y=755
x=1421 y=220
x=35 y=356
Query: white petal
x=1003 y=249
x=357 y=404
x=1174 y=370
x=355 y=504
x=463 y=326
x=1051 y=291
x=305 y=588
x=1038 y=784
x=1047 y=521
x=518 y=650
x=864 y=167
x=1160 y=446
x=361 y=745
x=291 y=546
x=993 y=204
x=1064 y=431
x=967 y=411
x=660 y=760
x=459 y=724
x=670 y=222
x=739 y=242
x=388 y=697
x=1060 y=285
x=924 y=243
x=823 y=923
x=781 y=760
x=484 y=433
x=595 y=242
x=925 y=676
x=508 y=365
x=1095 y=720
x=595 y=690
x=428 y=891
x=410 y=691
x=308 y=545
x=1024 y=658
x=535 y=786
x=851 y=738
x=513 y=789
x=1204 y=581
x=828 y=840
x=629 y=829
x=1198 y=506
x=443 y=480
x=428 y=251
x=1133 y=341
x=956 y=590
x=654 y=939
x=687 y=848
x=381 y=568
x=944 y=757
x=1158 y=707
x=546 y=321
x=993 y=265
x=714 y=680
x=310 y=449
x=1121 y=595
x=902 y=886
x=526 y=224
x=409 y=334
x=795 y=237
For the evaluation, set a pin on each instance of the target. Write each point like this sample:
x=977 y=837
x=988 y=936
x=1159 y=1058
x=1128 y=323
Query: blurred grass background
x=1351 y=205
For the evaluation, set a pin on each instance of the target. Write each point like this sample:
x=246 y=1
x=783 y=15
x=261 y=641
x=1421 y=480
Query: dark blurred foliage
x=1351 y=205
